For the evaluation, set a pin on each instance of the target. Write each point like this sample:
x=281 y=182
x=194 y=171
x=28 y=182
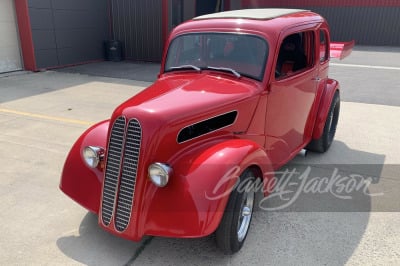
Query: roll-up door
x=10 y=56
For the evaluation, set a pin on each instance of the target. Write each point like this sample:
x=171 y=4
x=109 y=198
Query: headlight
x=92 y=155
x=159 y=174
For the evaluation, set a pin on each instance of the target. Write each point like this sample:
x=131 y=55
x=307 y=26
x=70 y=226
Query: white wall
x=10 y=57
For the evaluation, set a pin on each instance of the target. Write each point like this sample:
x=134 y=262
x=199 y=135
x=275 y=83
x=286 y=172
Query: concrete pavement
x=42 y=114
x=124 y=70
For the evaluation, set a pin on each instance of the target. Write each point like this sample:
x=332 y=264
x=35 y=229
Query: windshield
x=229 y=52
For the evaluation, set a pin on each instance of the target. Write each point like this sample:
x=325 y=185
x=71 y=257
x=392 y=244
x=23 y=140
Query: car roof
x=269 y=22
x=260 y=14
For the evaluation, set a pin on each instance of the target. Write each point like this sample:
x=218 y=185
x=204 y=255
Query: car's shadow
x=315 y=229
x=94 y=246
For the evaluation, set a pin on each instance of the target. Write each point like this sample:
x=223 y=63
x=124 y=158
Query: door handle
x=316 y=79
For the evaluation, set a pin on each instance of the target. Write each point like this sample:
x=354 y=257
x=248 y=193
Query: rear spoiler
x=341 y=50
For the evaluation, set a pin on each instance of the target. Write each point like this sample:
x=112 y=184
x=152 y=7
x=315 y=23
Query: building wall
x=366 y=25
x=189 y=9
x=138 y=25
x=368 y=22
x=59 y=32
x=10 y=58
x=68 y=32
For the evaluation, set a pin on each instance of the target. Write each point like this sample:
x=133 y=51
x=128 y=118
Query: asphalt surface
x=42 y=114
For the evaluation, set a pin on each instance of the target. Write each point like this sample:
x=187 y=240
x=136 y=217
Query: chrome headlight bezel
x=159 y=174
x=92 y=155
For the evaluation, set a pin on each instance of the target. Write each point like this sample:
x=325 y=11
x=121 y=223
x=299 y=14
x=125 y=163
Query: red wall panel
x=25 y=34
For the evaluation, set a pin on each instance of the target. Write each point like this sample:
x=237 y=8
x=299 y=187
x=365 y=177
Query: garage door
x=10 y=57
x=138 y=24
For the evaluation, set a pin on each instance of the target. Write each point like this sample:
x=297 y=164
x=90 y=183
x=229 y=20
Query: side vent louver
x=206 y=126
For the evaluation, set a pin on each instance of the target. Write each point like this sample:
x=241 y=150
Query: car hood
x=184 y=97
x=176 y=102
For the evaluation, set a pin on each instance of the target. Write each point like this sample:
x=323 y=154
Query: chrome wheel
x=235 y=223
x=245 y=213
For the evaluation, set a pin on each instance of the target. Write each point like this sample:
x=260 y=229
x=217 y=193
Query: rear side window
x=323 y=46
x=296 y=54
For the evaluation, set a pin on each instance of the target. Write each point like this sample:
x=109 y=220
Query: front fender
x=193 y=202
x=331 y=87
x=81 y=183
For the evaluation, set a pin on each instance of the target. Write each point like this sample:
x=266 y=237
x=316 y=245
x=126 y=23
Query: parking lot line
x=46 y=117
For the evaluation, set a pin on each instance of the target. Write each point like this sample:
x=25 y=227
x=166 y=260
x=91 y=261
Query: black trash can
x=113 y=50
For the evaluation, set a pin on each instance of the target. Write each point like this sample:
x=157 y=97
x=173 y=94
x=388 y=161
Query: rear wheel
x=235 y=223
x=324 y=142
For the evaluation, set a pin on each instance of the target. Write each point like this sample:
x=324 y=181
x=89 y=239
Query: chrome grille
x=121 y=171
x=114 y=158
x=128 y=176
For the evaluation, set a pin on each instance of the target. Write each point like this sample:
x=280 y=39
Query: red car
x=239 y=94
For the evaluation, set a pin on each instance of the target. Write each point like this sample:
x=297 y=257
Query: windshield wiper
x=226 y=69
x=183 y=67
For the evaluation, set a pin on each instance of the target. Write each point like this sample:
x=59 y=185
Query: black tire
x=324 y=142
x=229 y=236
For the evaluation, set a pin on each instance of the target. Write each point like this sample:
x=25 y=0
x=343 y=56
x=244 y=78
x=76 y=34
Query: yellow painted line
x=46 y=117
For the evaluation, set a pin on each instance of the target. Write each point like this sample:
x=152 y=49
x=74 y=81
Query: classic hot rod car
x=239 y=94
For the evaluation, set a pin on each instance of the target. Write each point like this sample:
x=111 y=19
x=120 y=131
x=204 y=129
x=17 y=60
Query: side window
x=296 y=54
x=323 y=46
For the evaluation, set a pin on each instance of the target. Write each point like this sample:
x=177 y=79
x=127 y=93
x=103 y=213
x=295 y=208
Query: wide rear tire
x=324 y=142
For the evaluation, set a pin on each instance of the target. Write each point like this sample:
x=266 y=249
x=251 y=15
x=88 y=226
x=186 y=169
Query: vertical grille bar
x=114 y=158
x=128 y=176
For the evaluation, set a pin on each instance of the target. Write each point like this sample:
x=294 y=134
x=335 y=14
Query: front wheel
x=235 y=223
x=324 y=142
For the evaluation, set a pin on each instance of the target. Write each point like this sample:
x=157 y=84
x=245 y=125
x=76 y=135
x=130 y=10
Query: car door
x=291 y=96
